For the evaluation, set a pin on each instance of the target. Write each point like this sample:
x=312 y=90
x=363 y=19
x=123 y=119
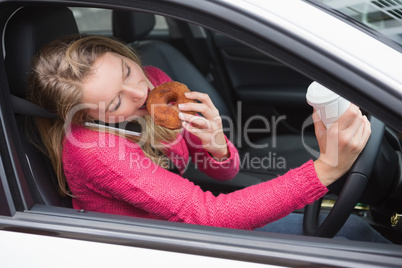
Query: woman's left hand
x=208 y=127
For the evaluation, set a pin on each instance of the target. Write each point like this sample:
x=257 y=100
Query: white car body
x=25 y=236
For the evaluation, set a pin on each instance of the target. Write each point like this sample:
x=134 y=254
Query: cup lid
x=318 y=94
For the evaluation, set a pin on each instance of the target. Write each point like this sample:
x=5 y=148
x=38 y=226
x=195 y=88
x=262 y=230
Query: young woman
x=93 y=78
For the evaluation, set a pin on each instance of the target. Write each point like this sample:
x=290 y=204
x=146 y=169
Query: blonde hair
x=55 y=83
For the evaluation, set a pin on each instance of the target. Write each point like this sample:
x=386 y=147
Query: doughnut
x=162 y=104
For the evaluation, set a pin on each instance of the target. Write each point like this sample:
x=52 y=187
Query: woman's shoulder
x=156 y=76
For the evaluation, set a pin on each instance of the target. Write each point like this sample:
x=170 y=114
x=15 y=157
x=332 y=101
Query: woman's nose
x=136 y=93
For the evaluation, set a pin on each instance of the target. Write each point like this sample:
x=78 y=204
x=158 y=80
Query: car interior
x=234 y=76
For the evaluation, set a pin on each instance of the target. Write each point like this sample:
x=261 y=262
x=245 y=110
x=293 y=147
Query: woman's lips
x=144 y=106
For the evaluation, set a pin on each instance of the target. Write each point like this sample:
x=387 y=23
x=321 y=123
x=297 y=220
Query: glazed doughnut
x=163 y=101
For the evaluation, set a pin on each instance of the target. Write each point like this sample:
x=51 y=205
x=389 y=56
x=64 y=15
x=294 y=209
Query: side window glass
x=98 y=20
x=384 y=16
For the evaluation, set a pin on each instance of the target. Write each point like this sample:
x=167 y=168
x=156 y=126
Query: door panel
x=264 y=86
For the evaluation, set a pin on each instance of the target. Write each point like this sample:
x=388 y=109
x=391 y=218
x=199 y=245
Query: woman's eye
x=114 y=106
x=128 y=71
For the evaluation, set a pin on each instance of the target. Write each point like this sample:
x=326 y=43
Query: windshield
x=384 y=16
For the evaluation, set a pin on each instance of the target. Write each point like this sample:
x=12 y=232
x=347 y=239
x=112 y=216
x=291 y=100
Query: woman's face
x=116 y=90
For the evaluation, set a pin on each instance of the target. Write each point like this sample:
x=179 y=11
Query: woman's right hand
x=341 y=144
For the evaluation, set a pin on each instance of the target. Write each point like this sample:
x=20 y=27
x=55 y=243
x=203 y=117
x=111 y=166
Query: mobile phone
x=126 y=127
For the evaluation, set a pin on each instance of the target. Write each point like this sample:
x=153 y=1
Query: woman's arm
x=120 y=172
x=221 y=161
x=208 y=127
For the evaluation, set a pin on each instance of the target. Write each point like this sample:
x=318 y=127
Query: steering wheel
x=357 y=178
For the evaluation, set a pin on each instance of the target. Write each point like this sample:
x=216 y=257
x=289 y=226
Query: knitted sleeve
x=119 y=171
x=222 y=171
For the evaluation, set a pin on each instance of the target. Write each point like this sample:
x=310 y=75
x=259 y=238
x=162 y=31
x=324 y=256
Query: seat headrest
x=27 y=31
x=132 y=26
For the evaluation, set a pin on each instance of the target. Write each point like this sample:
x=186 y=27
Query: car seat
x=26 y=32
x=134 y=27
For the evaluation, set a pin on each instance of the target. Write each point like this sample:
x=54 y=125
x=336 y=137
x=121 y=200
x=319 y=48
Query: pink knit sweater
x=107 y=173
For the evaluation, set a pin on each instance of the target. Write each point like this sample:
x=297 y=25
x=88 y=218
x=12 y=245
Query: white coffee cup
x=328 y=105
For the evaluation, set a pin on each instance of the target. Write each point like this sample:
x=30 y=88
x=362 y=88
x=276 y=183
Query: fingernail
x=181 y=105
x=181 y=115
x=187 y=94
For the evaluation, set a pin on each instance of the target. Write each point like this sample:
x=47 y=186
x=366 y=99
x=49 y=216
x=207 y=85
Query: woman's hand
x=208 y=128
x=341 y=144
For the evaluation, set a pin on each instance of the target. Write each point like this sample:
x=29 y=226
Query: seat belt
x=195 y=49
x=207 y=68
x=24 y=107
